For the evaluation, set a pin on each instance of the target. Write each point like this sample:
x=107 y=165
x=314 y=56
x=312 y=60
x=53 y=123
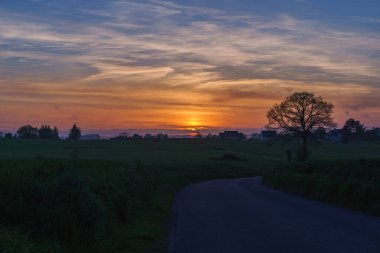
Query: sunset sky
x=184 y=64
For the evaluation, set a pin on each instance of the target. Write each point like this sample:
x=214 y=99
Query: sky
x=155 y=64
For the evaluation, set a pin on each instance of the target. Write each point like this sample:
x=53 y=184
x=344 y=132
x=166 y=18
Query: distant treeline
x=126 y=136
x=44 y=132
x=161 y=136
x=353 y=130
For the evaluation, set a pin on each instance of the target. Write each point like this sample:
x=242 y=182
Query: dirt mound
x=231 y=157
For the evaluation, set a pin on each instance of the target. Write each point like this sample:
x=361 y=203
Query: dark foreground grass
x=62 y=205
x=66 y=196
x=353 y=184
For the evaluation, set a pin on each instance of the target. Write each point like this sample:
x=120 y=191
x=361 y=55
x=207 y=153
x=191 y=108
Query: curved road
x=238 y=216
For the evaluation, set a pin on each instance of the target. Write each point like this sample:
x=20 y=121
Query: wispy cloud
x=198 y=58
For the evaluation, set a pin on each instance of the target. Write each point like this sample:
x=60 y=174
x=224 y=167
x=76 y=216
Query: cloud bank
x=145 y=64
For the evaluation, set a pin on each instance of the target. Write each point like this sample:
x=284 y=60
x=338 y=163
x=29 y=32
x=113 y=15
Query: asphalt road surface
x=238 y=216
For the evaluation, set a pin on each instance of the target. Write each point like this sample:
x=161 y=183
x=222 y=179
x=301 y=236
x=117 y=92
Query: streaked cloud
x=142 y=63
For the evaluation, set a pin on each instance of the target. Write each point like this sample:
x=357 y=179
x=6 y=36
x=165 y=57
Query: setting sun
x=194 y=122
x=114 y=116
x=173 y=71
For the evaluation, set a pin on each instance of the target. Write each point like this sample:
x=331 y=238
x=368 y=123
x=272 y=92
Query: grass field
x=109 y=196
x=176 y=152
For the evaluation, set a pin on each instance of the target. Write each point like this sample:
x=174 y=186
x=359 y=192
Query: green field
x=176 y=152
x=110 y=196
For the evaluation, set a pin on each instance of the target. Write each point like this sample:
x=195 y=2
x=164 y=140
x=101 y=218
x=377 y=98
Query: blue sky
x=173 y=64
x=331 y=11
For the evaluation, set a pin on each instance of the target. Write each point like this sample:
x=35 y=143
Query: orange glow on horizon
x=173 y=71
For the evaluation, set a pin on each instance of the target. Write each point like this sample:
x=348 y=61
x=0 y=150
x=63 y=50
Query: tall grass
x=352 y=184
x=93 y=206
x=75 y=203
x=58 y=196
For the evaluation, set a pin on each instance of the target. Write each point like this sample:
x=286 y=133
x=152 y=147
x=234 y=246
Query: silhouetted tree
x=124 y=135
x=320 y=133
x=353 y=130
x=136 y=136
x=162 y=136
x=301 y=116
x=121 y=137
x=55 y=134
x=198 y=136
x=372 y=134
x=46 y=132
x=209 y=136
x=8 y=136
x=27 y=132
x=75 y=133
x=148 y=136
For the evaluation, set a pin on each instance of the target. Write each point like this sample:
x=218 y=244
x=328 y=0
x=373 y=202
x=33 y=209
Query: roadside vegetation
x=349 y=183
x=116 y=196
x=74 y=204
x=352 y=184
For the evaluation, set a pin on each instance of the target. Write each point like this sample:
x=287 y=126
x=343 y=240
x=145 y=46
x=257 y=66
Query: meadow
x=116 y=196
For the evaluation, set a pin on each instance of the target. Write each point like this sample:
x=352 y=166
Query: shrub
x=73 y=202
x=63 y=209
x=352 y=184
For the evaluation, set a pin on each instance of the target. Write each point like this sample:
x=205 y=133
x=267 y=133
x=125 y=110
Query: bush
x=63 y=209
x=62 y=205
x=71 y=202
x=351 y=184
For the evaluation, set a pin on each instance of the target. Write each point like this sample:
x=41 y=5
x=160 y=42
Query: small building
x=268 y=135
x=231 y=135
x=90 y=137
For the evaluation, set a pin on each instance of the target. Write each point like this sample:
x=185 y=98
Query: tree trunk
x=304 y=151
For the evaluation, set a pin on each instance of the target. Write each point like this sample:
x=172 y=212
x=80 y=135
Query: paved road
x=238 y=216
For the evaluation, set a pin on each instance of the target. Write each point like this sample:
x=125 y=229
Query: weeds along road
x=238 y=216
